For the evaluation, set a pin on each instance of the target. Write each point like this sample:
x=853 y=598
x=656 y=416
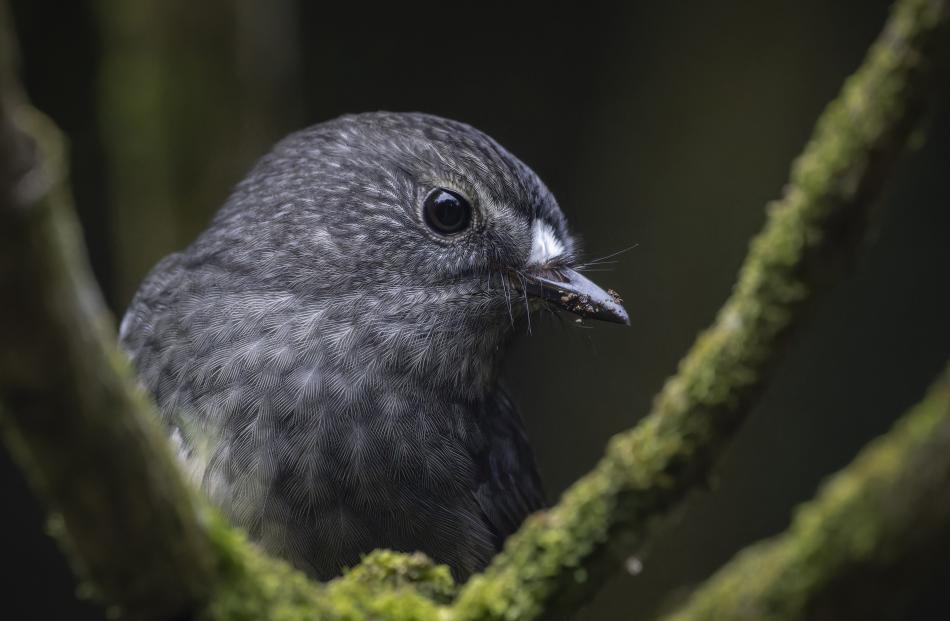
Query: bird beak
x=569 y=289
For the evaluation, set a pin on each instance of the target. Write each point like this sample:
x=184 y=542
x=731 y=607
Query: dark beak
x=568 y=289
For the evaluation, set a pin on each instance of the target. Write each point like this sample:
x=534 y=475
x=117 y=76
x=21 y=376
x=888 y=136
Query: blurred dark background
x=666 y=126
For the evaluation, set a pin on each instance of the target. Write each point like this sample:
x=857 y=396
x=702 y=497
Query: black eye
x=446 y=212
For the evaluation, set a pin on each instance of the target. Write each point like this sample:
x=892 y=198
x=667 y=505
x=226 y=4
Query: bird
x=325 y=354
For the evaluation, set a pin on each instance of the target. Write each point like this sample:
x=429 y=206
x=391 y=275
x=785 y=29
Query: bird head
x=423 y=233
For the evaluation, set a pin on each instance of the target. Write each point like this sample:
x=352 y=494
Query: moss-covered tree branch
x=139 y=539
x=70 y=416
x=90 y=444
x=811 y=233
x=124 y=514
x=874 y=530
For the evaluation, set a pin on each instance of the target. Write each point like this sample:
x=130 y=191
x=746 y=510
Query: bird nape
x=325 y=354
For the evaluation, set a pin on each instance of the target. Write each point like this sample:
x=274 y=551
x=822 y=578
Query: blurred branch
x=89 y=441
x=84 y=436
x=873 y=531
x=192 y=93
x=91 y=446
x=558 y=557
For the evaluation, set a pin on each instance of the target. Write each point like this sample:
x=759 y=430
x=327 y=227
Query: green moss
x=252 y=586
x=179 y=552
x=393 y=570
x=850 y=551
x=810 y=235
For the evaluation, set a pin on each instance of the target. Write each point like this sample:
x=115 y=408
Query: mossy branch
x=556 y=558
x=874 y=529
x=70 y=413
x=140 y=541
x=91 y=446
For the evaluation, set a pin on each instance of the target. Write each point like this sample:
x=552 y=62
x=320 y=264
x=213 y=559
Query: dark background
x=666 y=126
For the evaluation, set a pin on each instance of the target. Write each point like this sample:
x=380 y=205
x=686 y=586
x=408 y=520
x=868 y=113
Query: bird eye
x=446 y=212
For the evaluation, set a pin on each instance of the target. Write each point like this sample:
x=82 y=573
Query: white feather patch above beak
x=545 y=245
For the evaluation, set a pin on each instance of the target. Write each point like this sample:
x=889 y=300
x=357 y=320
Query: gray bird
x=325 y=355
